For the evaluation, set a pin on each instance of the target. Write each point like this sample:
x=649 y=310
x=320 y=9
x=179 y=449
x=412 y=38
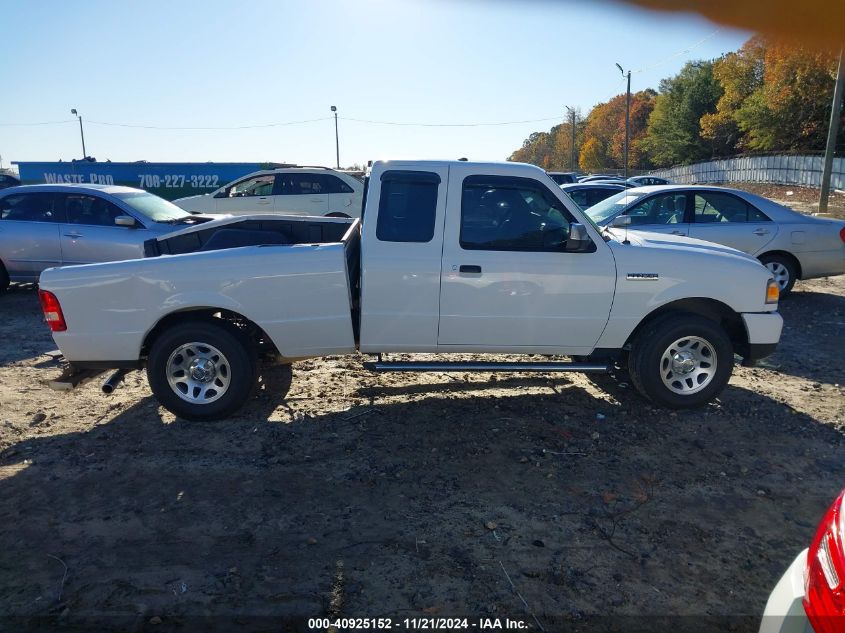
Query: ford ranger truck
x=451 y=257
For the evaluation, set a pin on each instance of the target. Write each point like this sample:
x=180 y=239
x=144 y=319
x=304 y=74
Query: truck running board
x=384 y=366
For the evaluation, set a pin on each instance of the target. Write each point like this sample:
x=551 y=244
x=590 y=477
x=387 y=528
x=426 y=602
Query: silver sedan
x=42 y=226
x=791 y=245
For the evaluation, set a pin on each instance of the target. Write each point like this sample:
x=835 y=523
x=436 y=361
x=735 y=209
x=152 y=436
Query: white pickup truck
x=451 y=257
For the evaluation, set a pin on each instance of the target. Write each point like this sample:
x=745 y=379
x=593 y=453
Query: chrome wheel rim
x=688 y=365
x=780 y=273
x=198 y=373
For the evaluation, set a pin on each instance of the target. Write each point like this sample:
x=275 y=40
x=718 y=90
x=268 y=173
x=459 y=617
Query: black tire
x=238 y=359
x=647 y=366
x=4 y=278
x=784 y=270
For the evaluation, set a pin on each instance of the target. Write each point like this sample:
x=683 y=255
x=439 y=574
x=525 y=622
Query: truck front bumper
x=784 y=610
x=763 y=329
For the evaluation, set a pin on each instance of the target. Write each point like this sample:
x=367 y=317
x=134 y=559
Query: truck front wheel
x=201 y=370
x=681 y=360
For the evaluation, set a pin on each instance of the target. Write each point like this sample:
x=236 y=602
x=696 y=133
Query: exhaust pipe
x=112 y=382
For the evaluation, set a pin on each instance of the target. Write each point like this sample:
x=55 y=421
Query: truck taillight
x=842 y=234
x=824 y=577
x=52 y=311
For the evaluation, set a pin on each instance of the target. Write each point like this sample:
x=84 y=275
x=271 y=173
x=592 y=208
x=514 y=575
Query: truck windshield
x=610 y=207
x=153 y=207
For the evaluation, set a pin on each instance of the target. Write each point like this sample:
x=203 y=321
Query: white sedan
x=792 y=245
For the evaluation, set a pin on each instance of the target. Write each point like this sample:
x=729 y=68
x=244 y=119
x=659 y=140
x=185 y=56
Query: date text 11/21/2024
x=419 y=624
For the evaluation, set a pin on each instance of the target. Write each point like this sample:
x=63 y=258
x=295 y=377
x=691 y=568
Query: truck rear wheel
x=202 y=371
x=681 y=360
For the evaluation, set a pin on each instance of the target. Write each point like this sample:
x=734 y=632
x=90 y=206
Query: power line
x=679 y=53
x=417 y=124
x=231 y=127
x=284 y=123
x=38 y=123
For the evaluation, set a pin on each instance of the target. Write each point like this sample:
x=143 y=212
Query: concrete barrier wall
x=786 y=169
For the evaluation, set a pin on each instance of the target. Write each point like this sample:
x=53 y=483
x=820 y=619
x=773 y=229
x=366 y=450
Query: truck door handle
x=470 y=269
x=761 y=231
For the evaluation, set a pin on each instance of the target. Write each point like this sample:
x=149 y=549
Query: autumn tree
x=674 y=127
x=740 y=74
x=550 y=150
x=790 y=108
x=592 y=157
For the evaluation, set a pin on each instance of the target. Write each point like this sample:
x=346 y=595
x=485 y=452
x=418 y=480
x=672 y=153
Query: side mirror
x=621 y=221
x=222 y=194
x=579 y=239
x=125 y=220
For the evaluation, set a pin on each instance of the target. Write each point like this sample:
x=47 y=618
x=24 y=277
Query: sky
x=221 y=64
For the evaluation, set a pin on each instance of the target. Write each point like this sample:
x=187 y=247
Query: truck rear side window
x=407 y=207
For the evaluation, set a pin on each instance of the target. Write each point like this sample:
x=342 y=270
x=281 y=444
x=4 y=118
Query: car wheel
x=4 y=278
x=681 y=360
x=202 y=371
x=782 y=269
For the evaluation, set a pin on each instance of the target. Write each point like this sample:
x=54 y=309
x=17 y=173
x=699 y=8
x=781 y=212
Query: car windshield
x=153 y=207
x=609 y=207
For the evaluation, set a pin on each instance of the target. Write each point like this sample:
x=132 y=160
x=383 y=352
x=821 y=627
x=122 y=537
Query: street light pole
x=572 y=162
x=81 y=133
x=627 y=118
x=336 y=137
x=832 y=131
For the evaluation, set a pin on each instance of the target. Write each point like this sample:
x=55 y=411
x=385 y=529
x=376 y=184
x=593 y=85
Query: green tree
x=673 y=134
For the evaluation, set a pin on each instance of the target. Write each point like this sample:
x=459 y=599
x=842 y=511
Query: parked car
x=792 y=245
x=810 y=596
x=645 y=181
x=7 y=180
x=56 y=225
x=563 y=177
x=592 y=177
x=506 y=263
x=287 y=190
x=586 y=194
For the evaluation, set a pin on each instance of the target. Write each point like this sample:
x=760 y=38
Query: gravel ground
x=553 y=500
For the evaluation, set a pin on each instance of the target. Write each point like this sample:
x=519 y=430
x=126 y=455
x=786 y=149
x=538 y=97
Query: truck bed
x=234 y=232
x=260 y=267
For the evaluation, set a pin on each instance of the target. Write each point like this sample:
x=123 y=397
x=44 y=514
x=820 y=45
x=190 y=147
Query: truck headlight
x=772 y=291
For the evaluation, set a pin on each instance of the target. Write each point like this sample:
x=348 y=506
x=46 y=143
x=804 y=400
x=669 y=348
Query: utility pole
x=573 y=164
x=81 y=133
x=832 y=131
x=627 y=118
x=336 y=137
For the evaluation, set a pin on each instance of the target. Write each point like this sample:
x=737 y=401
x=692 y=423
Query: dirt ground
x=414 y=495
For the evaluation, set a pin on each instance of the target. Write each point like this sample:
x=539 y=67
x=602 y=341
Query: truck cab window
x=511 y=214
x=407 y=207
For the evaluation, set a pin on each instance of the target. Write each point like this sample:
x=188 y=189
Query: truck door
x=401 y=253
x=507 y=283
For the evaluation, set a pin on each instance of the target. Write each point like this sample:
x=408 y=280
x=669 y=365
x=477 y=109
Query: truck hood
x=677 y=242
